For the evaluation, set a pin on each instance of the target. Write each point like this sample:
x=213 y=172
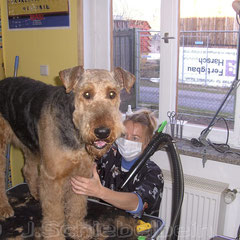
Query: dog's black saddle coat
x=23 y=101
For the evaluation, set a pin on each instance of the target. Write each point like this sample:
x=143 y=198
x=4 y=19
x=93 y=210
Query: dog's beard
x=96 y=151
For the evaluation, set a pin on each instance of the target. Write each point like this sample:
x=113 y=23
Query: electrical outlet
x=44 y=70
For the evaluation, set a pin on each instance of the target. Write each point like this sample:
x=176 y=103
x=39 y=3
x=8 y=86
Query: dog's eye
x=112 y=95
x=87 y=95
x=123 y=135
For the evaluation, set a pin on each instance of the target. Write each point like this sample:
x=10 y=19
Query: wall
x=57 y=48
x=2 y=73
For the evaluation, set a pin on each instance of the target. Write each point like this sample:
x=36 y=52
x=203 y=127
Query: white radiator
x=203 y=209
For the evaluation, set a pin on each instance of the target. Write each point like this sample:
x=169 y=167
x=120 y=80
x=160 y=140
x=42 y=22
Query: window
x=207 y=65
x=207 y=61
x=136 y=43
x=207 y=50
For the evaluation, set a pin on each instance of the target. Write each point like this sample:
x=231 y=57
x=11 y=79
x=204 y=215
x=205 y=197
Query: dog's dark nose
x=102 y=132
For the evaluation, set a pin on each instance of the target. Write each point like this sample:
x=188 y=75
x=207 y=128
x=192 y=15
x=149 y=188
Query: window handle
x=166 y=37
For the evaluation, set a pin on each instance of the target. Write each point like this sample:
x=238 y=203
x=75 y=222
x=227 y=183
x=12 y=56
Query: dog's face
x=97 y=100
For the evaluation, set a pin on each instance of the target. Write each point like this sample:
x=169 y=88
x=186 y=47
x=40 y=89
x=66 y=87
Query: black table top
x=26 y=222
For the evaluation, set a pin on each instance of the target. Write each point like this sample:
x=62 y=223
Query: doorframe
x=80 y=32
x=97 y=34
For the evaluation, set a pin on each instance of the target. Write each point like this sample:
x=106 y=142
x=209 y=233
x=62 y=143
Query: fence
x=206 y=71
x=214 y=38
x=124 y=56
x=148 y=70
x=124 y=49
x=207 y=64
x=213 y=58
x=224 y=28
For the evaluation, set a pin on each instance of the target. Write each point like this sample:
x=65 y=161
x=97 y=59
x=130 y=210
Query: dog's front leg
x=51 y=195
x=76 y=204
x=75 y=212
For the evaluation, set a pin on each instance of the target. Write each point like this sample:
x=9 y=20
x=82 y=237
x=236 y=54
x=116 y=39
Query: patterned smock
x=148 y=183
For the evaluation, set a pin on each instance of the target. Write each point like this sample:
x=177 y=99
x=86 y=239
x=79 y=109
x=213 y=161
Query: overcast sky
x=207 y=8
x=150 y=10
x=139 y=10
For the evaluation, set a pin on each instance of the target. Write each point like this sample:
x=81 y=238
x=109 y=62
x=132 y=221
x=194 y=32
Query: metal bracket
x=166 y=37
x=204 y=157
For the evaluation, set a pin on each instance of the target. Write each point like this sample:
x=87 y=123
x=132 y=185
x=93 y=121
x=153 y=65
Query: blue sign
x=39 y=21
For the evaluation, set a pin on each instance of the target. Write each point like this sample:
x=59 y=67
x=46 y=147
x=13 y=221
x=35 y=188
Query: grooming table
x=27 y=219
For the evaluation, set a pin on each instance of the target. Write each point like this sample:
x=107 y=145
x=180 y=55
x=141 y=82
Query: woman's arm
x=93 y=187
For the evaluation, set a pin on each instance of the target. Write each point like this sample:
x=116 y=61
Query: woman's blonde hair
x=146 y=118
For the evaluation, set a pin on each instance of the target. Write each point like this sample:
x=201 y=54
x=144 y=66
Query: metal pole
x=205 y=132
x=138 y=67
x=16 y=63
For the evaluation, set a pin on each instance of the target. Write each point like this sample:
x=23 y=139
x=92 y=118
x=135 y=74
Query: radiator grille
x=203 y=208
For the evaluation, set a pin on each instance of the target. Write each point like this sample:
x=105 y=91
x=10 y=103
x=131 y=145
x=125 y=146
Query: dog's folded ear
x=124 y=78
x=70 y=77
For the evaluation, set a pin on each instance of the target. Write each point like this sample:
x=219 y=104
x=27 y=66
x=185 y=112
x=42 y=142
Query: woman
x=144 y=192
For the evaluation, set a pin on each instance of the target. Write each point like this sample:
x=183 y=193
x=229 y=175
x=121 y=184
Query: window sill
x=185 y=147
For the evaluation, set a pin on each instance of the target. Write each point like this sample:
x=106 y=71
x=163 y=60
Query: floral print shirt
x=148 y=183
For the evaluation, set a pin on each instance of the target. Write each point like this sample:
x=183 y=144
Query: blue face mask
x=129 y=149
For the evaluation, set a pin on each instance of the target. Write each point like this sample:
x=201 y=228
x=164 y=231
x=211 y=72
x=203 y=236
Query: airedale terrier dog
x=61 y=130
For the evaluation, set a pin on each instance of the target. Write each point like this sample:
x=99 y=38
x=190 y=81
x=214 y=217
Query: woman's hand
x=93 y=187
x=88 y=186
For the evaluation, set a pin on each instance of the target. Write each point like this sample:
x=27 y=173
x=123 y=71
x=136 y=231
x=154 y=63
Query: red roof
x=121 y=25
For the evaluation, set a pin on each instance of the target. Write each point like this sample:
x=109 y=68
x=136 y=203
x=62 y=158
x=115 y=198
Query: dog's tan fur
x=48 y=170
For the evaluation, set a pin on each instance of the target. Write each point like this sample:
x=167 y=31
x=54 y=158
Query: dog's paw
x=35 y=195
x=6 y=211
x=87 y=232
x=84 y=232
